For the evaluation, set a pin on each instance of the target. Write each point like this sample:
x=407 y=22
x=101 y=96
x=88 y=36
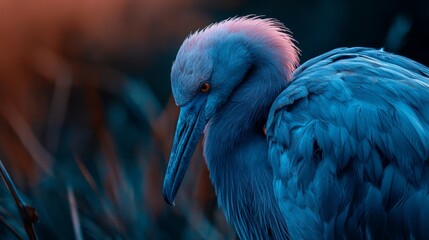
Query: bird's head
x=210 y=65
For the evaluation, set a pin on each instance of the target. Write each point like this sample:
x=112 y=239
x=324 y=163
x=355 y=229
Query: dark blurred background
x=87 y=118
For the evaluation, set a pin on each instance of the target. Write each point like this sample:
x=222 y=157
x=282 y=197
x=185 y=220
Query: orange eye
x=205 y=87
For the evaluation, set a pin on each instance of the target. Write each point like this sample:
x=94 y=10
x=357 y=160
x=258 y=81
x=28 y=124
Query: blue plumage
x=367 y=115
x=346 y=152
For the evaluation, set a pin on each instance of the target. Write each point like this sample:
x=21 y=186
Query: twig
x=87 y=175
x=95 y=189
x=74 y=214
x=8 y=226
x=26 y=135
x=28 y=213
x=58 y=109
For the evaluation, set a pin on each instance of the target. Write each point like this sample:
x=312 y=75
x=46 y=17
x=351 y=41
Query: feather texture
x=349 y=140
x=347 y=146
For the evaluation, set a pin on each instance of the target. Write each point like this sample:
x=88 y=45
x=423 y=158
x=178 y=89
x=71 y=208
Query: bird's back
x=349 y=146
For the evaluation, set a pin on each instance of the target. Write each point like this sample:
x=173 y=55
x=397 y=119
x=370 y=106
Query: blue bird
x=346 y=149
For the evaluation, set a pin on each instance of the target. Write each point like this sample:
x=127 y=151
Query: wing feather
x=349 y=145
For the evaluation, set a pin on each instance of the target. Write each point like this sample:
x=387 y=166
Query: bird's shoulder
x=360 y=80
x=350 y=116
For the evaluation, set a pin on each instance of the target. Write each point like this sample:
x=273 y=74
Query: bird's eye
x=205 y=87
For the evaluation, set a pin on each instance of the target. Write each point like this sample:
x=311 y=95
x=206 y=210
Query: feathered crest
x=269 y=30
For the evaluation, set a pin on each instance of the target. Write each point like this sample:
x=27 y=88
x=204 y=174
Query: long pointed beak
x=189 y=128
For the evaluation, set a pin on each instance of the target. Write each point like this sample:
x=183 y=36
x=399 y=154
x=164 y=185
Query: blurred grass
x=105 y=179
x=86 y=116
x=84 y=136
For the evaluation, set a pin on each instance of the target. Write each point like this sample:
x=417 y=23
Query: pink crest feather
x=274 y=33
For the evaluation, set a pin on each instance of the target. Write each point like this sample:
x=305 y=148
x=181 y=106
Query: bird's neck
x=236 y=151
